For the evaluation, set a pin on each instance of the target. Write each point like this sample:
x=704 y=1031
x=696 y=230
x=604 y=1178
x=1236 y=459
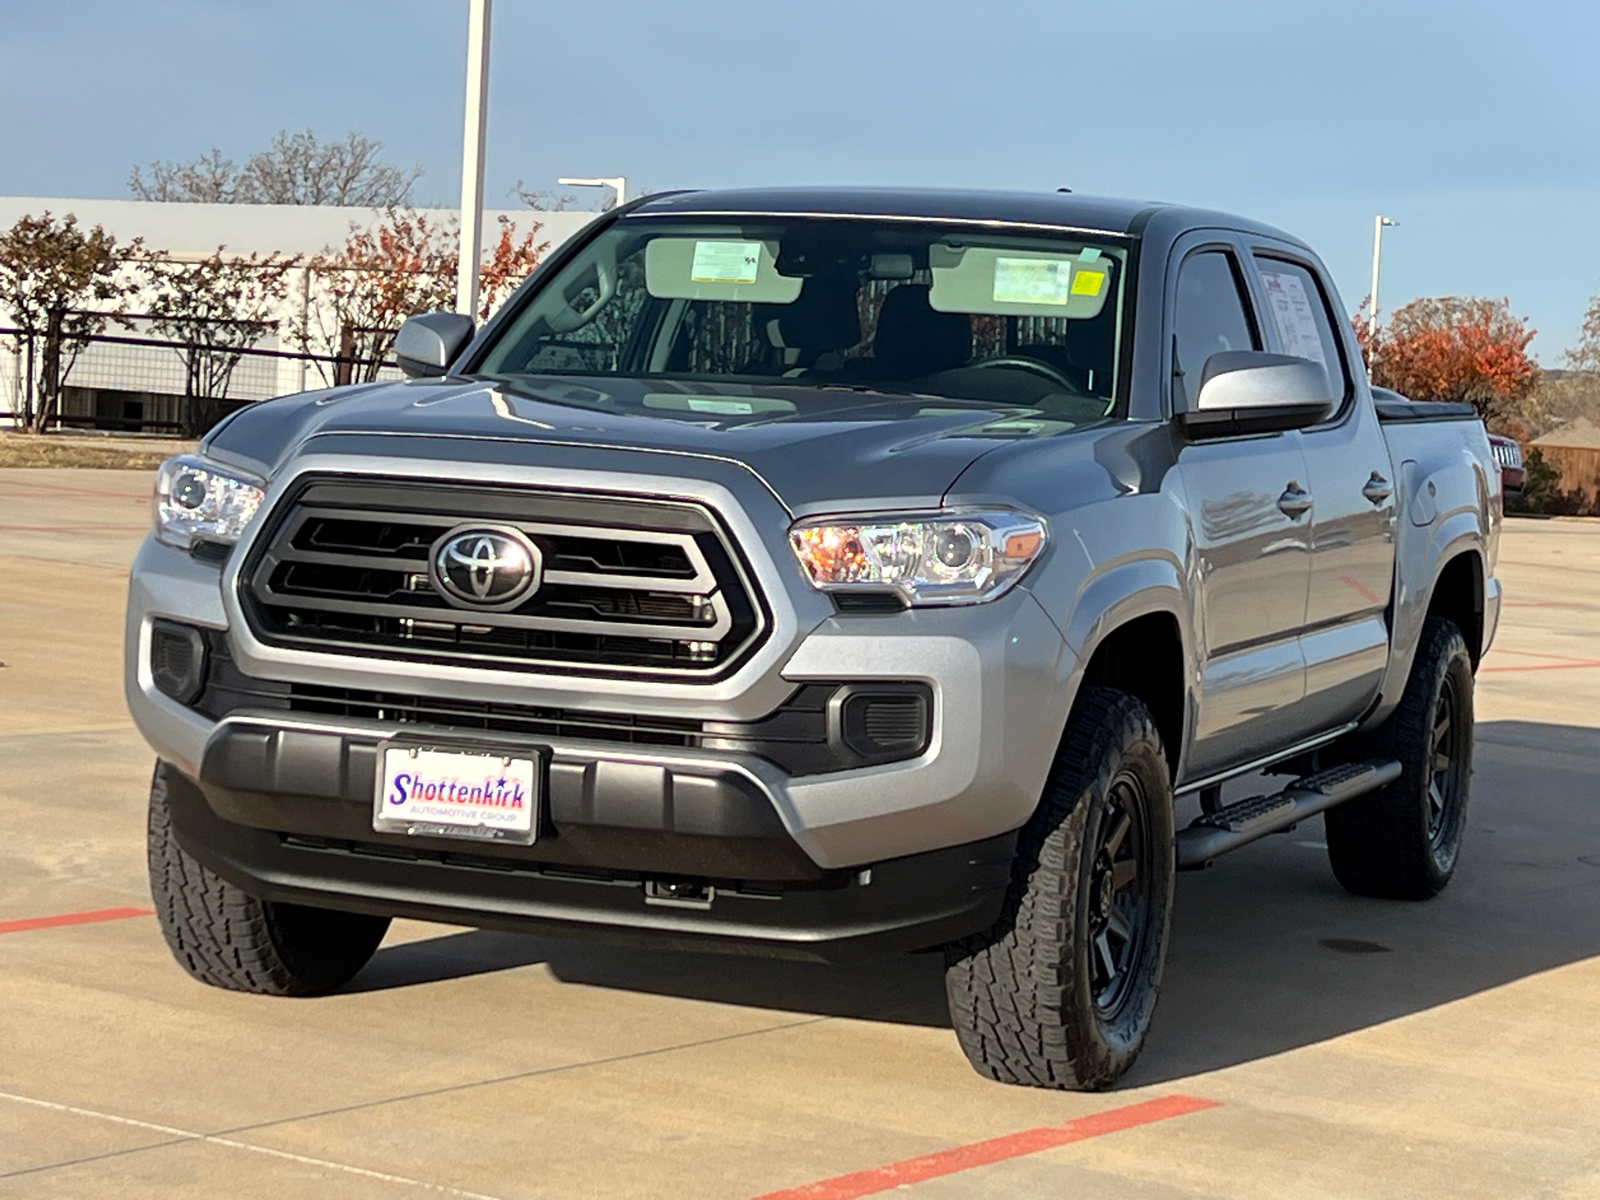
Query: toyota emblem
x=491 y=568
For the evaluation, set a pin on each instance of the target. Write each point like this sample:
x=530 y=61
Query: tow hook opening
x=679 y=893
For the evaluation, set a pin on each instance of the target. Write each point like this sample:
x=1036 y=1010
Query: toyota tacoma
x=819 y=573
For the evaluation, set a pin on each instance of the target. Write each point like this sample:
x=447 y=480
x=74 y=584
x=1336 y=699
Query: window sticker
x=1088 y=254
x=1297 y=320
x=1088 y=283
x=725 y=262
x=1032 y=281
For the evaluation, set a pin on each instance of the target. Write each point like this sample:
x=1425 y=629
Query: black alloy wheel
x=1403 y=841
x=1119 y=900
x=1447 y=782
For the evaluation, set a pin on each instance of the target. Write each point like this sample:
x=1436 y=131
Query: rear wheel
x=232 y=940
x=1061 y=991
x=1402 y=842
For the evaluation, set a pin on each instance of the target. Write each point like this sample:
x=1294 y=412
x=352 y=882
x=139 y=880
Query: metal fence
x=132 y=381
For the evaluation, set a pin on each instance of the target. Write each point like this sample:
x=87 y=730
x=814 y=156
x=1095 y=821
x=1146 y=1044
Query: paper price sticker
x=725 y=262
x=1296 y=320
x=1032 y=281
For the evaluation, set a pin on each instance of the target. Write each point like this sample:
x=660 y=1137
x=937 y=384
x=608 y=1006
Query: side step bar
x=1245 y=821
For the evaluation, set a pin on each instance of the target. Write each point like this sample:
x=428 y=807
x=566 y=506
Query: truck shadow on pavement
x=1268 y=953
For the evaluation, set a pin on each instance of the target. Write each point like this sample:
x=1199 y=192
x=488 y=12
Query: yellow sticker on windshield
x=1088 y=283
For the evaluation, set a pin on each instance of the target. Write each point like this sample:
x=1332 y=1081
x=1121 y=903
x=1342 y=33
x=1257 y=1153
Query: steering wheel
x=1036 y=367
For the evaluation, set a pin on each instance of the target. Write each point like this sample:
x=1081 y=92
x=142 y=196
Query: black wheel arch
x=1458 y=596
x=1144 y=658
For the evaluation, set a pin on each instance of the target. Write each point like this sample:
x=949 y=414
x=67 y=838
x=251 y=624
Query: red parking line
x=979 y=1154
x=77 y=918
x=1555 y=666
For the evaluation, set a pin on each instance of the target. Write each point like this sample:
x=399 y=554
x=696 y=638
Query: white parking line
x=190 y=1135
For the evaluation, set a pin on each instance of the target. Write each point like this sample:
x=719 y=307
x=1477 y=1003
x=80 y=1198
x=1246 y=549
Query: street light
x=1377 y=251
x=619 y=184
x=472 y=157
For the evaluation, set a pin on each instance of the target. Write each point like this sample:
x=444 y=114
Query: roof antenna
x=1063 y=189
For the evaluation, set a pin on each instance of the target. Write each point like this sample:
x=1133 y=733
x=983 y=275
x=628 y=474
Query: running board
x=1241 y=823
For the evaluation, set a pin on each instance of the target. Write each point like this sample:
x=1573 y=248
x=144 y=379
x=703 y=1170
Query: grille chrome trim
x=336 y=574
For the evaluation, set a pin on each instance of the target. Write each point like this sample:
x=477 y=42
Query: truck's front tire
x=1061 y=991
x=232 y=940
x=1402 y=841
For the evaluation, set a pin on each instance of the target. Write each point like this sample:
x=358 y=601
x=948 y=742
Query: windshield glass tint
x=759 y=311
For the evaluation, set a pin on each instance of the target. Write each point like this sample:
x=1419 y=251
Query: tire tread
x=1012 y=990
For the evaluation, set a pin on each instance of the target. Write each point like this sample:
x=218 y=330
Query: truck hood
x=811 y=446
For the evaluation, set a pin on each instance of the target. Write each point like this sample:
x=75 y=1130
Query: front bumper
x=997 y=674
x=904 y=904
x=291 y=793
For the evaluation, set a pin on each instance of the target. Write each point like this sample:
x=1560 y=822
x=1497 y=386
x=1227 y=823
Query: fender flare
x=1119 y=594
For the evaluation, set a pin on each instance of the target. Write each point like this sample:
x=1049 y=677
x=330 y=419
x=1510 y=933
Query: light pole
x=1372 y=316
x=472 y=157
x=617 y=183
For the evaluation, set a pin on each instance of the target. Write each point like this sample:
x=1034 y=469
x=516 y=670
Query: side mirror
x=427 y=345
x=1249 y=391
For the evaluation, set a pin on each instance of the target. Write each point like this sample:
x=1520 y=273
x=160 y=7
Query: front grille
x=1507 y=454
x=628 y=586
x=624 y=728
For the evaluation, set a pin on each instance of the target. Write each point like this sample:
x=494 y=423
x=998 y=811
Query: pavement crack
x=178 y=1137
x=515 y=1076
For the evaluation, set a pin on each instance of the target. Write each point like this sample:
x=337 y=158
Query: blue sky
x=1475 y=122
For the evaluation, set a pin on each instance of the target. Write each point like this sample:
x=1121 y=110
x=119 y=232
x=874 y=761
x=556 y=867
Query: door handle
x=1295 y=501
x=1377 y=489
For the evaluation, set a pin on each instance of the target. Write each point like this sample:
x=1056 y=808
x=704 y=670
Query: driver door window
x=1211 y=315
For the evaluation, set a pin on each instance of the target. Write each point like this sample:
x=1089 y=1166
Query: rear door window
x=1300 y=315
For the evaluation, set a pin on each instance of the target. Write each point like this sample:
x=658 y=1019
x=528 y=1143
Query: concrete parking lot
x=1308 y=1043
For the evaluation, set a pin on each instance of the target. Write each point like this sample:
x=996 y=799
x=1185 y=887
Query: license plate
x=456 y=793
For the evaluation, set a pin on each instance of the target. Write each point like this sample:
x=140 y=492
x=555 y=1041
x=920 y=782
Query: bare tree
x=50 y=272
x=546 y=200
x=542 y=199
x=1585 y=356
x=209 y=179
x=1564 y=396
x=298 y=168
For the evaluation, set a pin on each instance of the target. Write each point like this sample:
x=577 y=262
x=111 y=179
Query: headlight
x=197 y=501
x=954 y=558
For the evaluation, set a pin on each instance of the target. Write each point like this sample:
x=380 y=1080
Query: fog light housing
x=883 y=723
x=177 y=660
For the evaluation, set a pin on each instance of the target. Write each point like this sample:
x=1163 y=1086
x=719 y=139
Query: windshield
x=762 y=315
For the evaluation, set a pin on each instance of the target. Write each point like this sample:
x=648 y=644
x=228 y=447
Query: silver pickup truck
x=816 y=573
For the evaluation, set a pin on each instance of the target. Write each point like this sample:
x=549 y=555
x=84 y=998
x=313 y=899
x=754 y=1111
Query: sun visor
x=717 y=269
x=1003 y=282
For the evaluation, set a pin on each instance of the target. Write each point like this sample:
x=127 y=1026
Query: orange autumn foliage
x=1454 y=348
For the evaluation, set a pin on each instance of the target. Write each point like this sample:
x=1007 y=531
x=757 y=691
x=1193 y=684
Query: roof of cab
x=1050 y=209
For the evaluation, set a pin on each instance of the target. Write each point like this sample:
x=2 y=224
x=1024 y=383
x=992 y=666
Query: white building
x=115 y=382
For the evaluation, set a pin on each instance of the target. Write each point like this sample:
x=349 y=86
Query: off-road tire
x=1398 y=843
x=231 y=940
x=1023 y=994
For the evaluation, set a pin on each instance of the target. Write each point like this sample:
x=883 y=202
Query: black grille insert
x=628 y=586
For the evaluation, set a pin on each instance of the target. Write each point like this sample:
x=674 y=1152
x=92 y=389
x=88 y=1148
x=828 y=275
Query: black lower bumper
x=902 y=904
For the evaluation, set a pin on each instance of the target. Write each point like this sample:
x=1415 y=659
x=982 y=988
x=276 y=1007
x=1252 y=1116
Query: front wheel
x=232 y=940
x=1061 y=991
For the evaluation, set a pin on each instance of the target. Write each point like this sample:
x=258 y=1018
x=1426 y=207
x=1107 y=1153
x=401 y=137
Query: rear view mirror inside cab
x=998 y=281
x=717 y=269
